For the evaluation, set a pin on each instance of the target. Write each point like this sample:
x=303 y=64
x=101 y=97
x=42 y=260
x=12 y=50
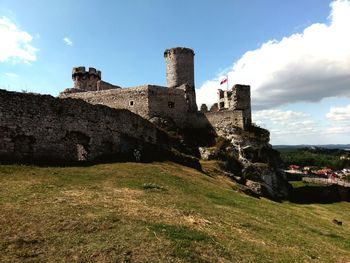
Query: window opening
x=171 y=104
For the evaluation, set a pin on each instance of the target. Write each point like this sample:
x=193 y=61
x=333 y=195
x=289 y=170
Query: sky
x=295 y=55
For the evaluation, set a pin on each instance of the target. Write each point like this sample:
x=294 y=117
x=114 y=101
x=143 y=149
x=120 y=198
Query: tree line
x=319 y=157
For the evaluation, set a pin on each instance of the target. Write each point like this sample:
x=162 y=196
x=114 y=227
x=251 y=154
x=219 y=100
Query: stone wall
x=45 y=128
x=147 y=101
x=237 y=99
x=224 y=99
x=103 y=85
x=226 y=117
x=133 y=99
x=241 y=101
x=168 y=103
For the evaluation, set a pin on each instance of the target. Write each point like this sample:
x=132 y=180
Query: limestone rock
x=261 y=164
x=208 y=153
x=256 y=187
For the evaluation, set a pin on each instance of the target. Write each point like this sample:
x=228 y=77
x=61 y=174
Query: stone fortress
x=97 y=121
x=95 y=118
x=176 y=101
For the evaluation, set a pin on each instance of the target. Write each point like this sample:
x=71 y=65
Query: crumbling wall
x=236 y=100
x=46 y=128
x=224 y=99
x=168 y=103
x=147 y=101
x=226 y=117
x=103 y=85
x=241 y=101
x=133 y=99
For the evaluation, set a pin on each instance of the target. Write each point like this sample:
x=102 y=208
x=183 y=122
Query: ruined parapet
x=179 y=66
x=214 y=107
x=224 y=99
x=204 y=108
x=85 y=80
x=237 y=99
x=240 y=100
x=189 y=97
x=103 y=85
x=48 y=128
x=226 y=118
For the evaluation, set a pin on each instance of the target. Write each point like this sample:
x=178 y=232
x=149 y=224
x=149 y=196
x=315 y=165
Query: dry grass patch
x=158 y=212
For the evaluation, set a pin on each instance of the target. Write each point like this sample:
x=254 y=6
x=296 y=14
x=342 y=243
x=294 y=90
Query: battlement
x=85 y=79
x=236 y=99
x=178 y=50
x=80 y=71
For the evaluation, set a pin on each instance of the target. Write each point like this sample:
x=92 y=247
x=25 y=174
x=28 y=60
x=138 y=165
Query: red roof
x=293 y=166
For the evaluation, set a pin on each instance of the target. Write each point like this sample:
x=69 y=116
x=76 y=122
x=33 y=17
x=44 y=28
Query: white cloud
x=15 y=44
x=278 y=116
x=339 y=114
x=287 y=127
x=68 y=41
x=338 y=130
x=306 y=66
x=295 y=127
x=339 y=117
x=11 y=75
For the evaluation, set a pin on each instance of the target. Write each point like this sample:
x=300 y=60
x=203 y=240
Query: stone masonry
x=179 y=67
x=47 y=128
x=148 y=101
x=89 y=80
x=236 y=99
x=85 y=80
x=177 y=101
x=97 y=120
x=79 y=126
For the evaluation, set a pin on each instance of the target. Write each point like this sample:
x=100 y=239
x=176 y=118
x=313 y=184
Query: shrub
x=153 y=186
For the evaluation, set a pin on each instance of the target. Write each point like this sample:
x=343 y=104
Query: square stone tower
x=240 y=100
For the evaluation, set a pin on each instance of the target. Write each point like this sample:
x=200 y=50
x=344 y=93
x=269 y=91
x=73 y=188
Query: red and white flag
x=223 y=81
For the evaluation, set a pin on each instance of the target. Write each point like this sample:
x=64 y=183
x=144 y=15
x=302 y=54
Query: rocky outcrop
x=207 y=154
x=261 y=164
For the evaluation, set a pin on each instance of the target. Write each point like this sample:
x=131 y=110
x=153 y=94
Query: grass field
x=157 y=212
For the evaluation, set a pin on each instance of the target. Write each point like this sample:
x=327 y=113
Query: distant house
x=325 y=172
x=294 y=167
x=309 y=168
x=346 y=170
x=332 y=176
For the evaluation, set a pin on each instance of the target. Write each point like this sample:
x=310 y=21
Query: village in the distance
x=317 y=164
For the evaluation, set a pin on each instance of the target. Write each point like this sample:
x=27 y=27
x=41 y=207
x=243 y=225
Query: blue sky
x=293 y=53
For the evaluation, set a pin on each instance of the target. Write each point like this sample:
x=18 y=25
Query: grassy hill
x=157 y=212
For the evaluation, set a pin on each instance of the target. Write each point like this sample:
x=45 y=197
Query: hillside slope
x=157 y=212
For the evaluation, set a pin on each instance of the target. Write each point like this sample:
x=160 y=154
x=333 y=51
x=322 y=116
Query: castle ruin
x=95 y=118
x=176 y=101
x=88 y=80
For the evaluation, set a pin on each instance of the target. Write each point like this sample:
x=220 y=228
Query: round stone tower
x=179 y=66
x=85 y=80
